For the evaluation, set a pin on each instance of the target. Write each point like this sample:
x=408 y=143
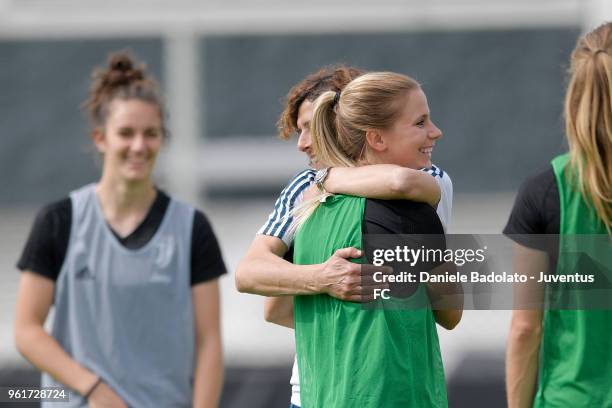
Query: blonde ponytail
x=340 y=121
x=588 y=120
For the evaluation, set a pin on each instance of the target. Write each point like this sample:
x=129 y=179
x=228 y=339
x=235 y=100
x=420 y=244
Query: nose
x=138 y=143
x=434 y=132
x=304 y=142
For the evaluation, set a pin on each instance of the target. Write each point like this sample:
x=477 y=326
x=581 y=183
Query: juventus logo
x=164 y=251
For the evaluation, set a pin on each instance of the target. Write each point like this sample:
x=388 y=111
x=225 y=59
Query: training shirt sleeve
x=46 y=247
x=206 y=259
x=280 y=218
x=445 y=205
x=536 y=211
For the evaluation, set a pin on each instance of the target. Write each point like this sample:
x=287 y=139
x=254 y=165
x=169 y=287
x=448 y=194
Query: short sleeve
x=529 y=213
x=206 y=259
x=280 y=218
x=46 y=247
x=445 y=205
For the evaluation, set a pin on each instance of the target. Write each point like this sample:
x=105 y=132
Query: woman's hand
x=103 y=396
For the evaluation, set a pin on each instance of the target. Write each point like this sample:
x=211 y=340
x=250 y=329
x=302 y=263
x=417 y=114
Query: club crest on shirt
x=164 y=249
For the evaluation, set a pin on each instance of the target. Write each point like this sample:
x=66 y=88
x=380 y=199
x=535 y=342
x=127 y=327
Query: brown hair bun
x=122 y=79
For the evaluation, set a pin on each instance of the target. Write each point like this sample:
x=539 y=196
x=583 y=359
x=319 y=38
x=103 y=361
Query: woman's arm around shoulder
x=384 y=181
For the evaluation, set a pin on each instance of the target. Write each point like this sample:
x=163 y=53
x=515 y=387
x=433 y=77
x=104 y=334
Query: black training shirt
x=537 y=210
x=47 y=244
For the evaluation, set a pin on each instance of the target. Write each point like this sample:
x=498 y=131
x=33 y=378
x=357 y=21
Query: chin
x=136 y=177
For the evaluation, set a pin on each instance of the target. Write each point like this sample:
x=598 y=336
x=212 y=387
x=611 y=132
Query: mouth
x=426 y=150
x=137 y=163
x=311 y=157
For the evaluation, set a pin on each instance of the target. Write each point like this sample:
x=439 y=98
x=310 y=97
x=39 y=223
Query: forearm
x=522 y=365
x=384 y=181
x=446 y=299
x=449 y=319
x=46 y=354
x=269 y=275
x=208 y=379
x=279 y=310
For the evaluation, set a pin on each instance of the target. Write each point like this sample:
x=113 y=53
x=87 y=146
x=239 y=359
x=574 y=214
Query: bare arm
x=525 y=335
x=262 y=271
x=208 y=378
x=384 y=181
x=34 y=300
x=446 y=299
x=279 y=310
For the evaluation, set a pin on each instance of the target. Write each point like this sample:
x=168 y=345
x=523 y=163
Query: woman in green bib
x=350 y=355
x=562 y=356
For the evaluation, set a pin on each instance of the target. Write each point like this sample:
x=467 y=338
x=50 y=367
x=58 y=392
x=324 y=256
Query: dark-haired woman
x=131 y=272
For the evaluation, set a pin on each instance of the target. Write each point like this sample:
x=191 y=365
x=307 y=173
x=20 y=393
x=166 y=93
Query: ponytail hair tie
x=337 y=98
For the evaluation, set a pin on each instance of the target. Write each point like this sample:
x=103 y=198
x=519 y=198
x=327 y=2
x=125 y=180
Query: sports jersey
x=280 y=219
x=575 y=367
x=575 y=360
x=125 y=313
x=352 y=357
x=47 y=243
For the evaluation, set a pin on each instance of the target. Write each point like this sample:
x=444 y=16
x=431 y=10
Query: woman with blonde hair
x=561 y=358
x=349 y=356
x=263 y=271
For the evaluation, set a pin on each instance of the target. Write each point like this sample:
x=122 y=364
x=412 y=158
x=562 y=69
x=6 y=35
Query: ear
x=375 y=140
x=97 y=136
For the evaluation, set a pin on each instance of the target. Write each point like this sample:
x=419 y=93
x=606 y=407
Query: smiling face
x=131 y=139
x=304 y=143
x=409 y=142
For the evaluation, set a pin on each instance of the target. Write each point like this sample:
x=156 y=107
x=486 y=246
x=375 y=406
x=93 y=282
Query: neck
x=120 y=197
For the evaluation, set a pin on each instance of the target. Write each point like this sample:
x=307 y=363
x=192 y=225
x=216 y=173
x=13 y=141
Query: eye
x=152 y=133
x=126 y=132
x=421 y=123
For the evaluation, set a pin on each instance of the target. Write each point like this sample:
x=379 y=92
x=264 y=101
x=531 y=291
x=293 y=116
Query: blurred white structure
x=182 y=23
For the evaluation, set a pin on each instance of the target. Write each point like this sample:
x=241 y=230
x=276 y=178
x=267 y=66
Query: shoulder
x=540 y=181
x=435 y=171
x=400 y=207
x=535 y=191
x=441 y=176
x=206 y=259
x=299 y=183
x=531 y=210
x=280 y=218
x=201 y=224
x=403 y=216
x=57 y=211
x=47 y=243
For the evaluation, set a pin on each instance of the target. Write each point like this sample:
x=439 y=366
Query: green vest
x=352 y=357
x=576 y=350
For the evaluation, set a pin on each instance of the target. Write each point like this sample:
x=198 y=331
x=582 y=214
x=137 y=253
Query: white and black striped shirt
x=280 y=218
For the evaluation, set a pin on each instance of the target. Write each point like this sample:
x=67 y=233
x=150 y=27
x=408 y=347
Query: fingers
x=359 y=283
x=370 y=273
x=348 y=253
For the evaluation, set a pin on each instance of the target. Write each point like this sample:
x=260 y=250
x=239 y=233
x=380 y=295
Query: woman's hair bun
x=121 y=71
x=120 y=62
x=120 y=78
